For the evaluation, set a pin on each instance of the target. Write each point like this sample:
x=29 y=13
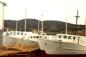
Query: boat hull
x=9 y=41
x=30 y=44
x=58 y=47
x=25 y=44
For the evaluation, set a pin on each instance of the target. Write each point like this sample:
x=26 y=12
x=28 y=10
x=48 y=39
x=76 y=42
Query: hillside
x=32 y=24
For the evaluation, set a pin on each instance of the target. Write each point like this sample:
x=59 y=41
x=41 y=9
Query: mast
x=66 y=25
x=2 y=5
x=38 y=27
x=42 y=23
x=16 y=26
x=25 y=19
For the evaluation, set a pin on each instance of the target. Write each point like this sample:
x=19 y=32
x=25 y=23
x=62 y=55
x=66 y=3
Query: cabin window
x=21 y=33
x=14 y=33
x=31 y=36
x=40 y=36
x=11 y=33
x=18 y=33
x=7 y=34
x=64 y=37
x=34 y=36
x=45 y=43
x=69 y=37
x=37 y=37
x=78 y=37
x=45 y=37
x=25 y=33
x=74 y=38
x=59 y=36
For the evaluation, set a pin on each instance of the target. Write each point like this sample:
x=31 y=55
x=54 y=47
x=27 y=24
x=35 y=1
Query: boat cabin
x=69 y=38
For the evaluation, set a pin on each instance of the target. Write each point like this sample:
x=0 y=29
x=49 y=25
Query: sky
x=46 y=10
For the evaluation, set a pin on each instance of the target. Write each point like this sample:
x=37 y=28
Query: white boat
x=9 y=39
x=64 y=44
x=25 y=39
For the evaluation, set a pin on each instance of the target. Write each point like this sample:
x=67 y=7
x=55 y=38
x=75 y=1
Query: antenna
x=77 y=16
